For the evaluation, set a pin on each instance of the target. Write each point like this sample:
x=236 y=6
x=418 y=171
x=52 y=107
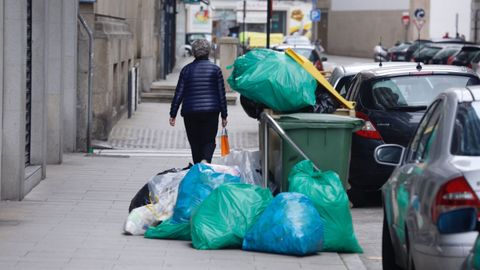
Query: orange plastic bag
x=224 y=145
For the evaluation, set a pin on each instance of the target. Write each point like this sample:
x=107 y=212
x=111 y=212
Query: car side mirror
x=457 y=221
x=324 y=59
x=389 y=154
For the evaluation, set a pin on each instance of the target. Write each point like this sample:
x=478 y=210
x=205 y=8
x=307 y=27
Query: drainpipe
x=476 y=25
x=90 y=81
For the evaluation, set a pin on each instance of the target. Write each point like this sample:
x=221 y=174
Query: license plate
x=401 y=57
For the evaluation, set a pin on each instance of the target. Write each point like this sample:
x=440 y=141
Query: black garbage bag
x=324 y=102
x=143 y=195
x=140 y=199
x=252 y=108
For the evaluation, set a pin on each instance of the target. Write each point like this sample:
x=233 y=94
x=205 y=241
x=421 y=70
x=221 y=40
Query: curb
x=352 y=262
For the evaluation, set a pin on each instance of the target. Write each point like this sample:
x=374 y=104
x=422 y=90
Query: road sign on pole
x=405 y=18
x=419 y=21
x=315 y=15
x=419 y=13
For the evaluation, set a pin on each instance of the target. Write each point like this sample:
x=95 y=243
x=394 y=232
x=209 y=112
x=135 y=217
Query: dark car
x=442 y=56
x=426 y=53
x=420 y=43
x=397 y=53
x=391 y=101
x=464 y=57
x=415 y=45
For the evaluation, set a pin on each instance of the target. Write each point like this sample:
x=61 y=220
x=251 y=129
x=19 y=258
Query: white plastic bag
x=249 y=164
x=164 y=187
x=142 y=217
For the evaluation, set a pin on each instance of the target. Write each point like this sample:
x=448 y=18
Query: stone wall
x=126 y=35
x=114 y=56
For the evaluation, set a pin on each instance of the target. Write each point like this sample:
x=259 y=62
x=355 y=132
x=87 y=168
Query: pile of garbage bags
x=271 y=79
x=217 y=206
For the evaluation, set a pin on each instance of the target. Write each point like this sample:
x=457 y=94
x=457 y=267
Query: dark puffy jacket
x=201 y=88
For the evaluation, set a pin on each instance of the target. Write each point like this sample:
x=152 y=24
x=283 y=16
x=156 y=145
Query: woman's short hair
x=201 y=48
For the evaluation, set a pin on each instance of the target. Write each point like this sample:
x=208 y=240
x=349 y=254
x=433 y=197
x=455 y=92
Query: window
x=466 y=130
x=420 y=147
x=344 y=84
x=410 y=93
x=353 y=90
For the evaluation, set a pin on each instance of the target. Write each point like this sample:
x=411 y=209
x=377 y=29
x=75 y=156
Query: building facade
x=38 y=84
x=44 y=74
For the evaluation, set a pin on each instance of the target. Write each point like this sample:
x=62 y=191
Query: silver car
x=342 y=76
x=437 y=173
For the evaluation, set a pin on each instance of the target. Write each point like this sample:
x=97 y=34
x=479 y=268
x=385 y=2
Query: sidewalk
x=148 y=129
x=73 y=220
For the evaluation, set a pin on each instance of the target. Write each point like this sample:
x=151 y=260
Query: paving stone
x=83 y=229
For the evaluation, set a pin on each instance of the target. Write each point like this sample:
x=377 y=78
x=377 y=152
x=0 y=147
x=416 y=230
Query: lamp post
x=244 y=28
x=269 y=19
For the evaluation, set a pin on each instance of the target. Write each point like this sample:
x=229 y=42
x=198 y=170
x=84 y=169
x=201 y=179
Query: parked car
x=425 y=53
x=297 y=40
x=430 y=194
x=418 y=44
x=464 y=56
x=415 y=45
x=308 y=51
x=442 y=56
x=191 y=37
x=475 y=63
x=342 y=76
x=391 y=101
x=397 y=53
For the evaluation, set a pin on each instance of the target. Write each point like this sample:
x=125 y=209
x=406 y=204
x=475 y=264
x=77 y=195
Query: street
x=106 y=106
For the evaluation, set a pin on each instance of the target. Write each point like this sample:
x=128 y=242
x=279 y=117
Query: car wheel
x=388 y=254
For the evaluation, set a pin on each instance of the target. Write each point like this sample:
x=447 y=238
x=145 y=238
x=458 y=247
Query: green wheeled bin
x=325 y=138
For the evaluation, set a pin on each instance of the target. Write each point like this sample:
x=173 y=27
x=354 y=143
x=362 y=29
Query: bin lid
x=319 y=120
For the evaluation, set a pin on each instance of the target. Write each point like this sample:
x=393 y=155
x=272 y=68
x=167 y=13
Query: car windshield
x=446 y=53
x=466 y=133
x=344 y=84
x=429 y=52
x=466 y=55
x=410 y=93
x=403 y=46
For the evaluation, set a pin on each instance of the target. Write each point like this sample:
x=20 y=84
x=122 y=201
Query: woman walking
x=201 y=91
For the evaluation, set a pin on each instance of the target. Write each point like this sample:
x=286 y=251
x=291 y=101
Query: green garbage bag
x=326 y=192
x=224 y=217
x=169 y=229
x=273 y=79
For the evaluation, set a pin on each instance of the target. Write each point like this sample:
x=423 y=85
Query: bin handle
x=269 y=121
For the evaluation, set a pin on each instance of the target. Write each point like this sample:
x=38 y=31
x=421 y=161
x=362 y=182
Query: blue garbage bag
x=289 y=225
x=197 y=184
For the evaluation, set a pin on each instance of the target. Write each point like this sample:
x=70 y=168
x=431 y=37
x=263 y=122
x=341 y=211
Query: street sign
x=315 y=15
x=405 y=18
x=419 y=13
x=419 y=23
